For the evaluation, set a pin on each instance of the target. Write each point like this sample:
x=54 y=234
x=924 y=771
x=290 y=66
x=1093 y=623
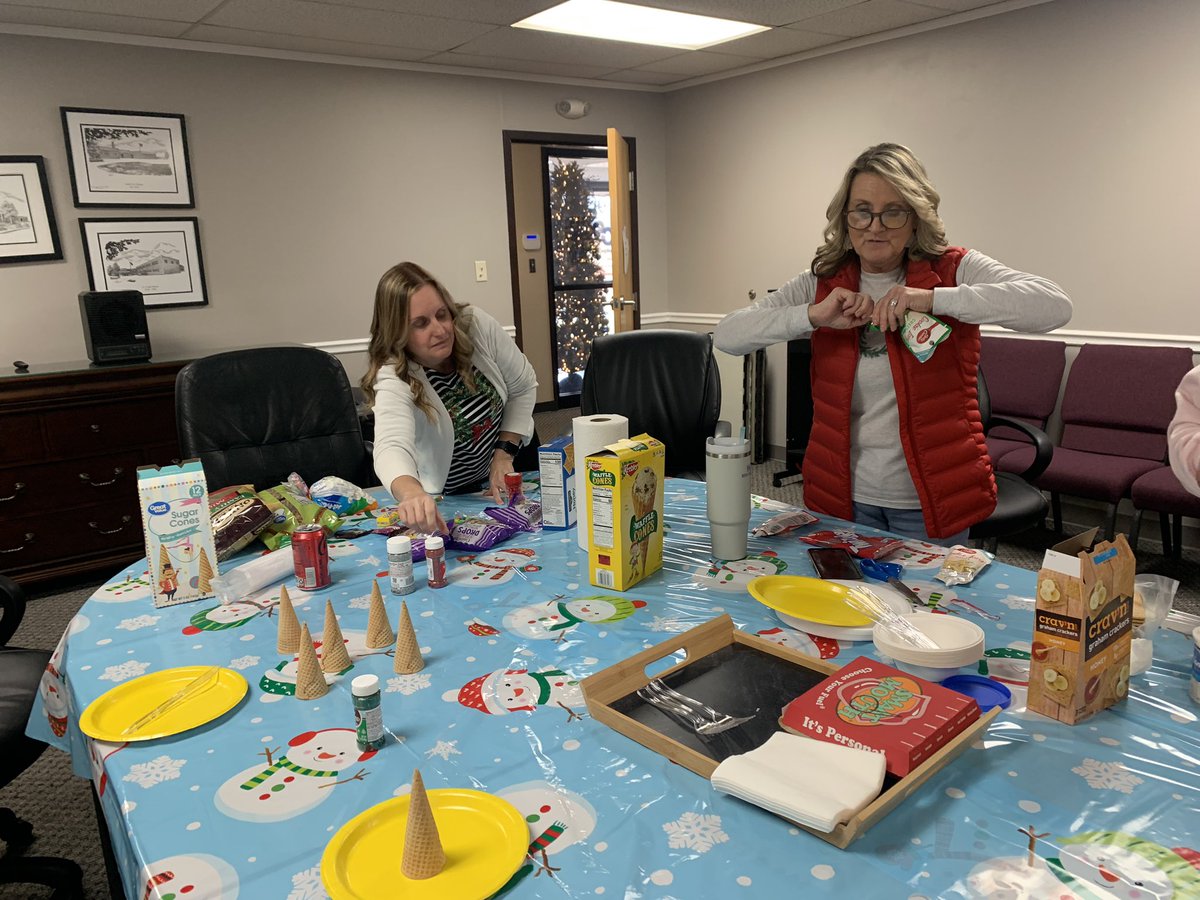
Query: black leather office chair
x=666 y=383
x=1019 y=504
x=256 y=416
x=20 y=675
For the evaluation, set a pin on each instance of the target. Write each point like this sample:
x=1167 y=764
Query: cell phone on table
x=834 y=562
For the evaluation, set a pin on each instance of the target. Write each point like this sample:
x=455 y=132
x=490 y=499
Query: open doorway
x=560 y=253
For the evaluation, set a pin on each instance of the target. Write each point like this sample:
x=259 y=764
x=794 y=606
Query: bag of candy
x=290 y=510
x=922 y=333
x=863 y=545
x=477 y=533
x=341 y=496
x=238 y=517
x=962 y=565
x=783 y=523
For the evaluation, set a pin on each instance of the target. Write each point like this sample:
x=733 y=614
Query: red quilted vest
x=940 y=427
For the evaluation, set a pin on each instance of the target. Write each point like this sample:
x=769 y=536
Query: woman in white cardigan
x=453 y=395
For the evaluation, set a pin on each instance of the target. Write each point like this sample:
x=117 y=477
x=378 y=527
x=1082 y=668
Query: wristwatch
x=508 y=447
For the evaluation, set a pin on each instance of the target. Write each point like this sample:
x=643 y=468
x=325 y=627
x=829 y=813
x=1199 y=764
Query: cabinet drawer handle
x=121 y=527
x=17 y=488
x=27 y=542
x=94 y=428
x=85 y=477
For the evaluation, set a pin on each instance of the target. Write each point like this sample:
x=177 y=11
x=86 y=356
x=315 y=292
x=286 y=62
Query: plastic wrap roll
x=254 y=575
x=591 y=433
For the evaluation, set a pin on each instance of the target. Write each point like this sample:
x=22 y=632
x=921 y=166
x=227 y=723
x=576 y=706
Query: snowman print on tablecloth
x=280 y=680
x=1098 y=865
x=1010 y=666
x=127 y=588
x=735 y=574
x=188 y=876
x=520 y=690
x=294 y=783
x=98 y=755
x=229 y=615
x=557 y=819
x=53 y=691
x=556 y=618
x=493 y=568
x=808 y=644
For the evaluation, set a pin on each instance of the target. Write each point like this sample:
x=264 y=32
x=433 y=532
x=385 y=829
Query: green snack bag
x=922 y=333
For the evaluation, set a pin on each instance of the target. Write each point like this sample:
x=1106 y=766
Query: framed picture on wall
x=127 y=159
x=28 y=232
x=159 y=257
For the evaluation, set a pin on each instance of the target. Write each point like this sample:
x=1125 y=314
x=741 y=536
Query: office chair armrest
x=1043 y=449
x=12 y=602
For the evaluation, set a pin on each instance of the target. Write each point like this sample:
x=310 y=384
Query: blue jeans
x=908 y=522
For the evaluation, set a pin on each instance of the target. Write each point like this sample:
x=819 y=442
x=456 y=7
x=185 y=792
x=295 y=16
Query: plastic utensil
x=196 y=686
x=870 y=605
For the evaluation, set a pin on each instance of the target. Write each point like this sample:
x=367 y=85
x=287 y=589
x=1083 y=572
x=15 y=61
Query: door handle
x=619 y=303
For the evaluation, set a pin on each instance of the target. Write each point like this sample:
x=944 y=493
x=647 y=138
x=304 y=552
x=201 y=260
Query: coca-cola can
x=310 y=557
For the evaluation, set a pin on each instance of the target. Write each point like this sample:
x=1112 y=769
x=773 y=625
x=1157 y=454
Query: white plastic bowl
x=960 y=644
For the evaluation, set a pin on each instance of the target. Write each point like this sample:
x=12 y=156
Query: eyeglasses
x=861 y=219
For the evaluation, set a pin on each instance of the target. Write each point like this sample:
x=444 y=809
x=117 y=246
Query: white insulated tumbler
x=727 y=473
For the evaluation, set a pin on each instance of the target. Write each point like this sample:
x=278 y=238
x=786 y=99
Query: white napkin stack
x=812 y=782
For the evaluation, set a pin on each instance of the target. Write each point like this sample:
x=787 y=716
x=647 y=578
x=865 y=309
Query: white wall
x=310 y=180
x=1061 y=137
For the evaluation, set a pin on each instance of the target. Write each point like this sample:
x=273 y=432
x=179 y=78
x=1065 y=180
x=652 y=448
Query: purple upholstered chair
x=1024 y=376
x=1160 y=491
x=1115 y=411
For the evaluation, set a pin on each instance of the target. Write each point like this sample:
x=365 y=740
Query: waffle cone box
x=624 y=483
x=1083 y=623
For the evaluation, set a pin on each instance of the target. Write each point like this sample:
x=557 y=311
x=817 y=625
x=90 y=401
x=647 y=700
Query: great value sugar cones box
x=1083 y=621
x=624 y=484
x=180 y=552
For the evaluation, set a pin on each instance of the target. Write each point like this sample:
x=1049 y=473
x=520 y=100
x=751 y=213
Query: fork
x=701 y=718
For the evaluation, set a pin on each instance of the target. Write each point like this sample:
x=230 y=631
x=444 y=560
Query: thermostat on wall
x=531 y=241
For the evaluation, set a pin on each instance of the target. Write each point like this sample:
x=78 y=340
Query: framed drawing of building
x=28 y=232
x=159 y=257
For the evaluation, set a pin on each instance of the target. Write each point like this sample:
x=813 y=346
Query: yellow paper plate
x=113 y=711
x=811 y=599
x=484 y=837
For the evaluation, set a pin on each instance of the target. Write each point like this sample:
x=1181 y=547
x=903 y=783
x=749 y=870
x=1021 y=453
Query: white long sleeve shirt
x=1183 y=436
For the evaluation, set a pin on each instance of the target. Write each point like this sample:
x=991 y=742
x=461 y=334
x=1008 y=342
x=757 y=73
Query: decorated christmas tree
x=580 y=316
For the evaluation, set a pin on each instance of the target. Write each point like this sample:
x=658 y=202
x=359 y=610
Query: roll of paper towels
x=591 y=433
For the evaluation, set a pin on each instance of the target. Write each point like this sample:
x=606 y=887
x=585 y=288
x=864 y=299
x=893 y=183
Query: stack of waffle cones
x=408 y=655
x=335 y=658
x=379 y=629
x=423 y=853
x=310 y=680
x=288 y=640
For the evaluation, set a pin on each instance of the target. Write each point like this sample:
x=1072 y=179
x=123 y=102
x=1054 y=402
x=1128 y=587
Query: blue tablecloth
x=1035 y=809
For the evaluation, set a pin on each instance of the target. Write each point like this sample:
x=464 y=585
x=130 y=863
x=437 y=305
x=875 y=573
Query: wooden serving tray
x=738 y=674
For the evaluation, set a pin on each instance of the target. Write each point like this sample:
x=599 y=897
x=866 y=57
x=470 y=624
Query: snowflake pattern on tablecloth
x=244 y=662
x=363 y=602
x=160 y=769
x=664 y=623
x=307 y=885
x=695 y=831
x=1107 y=776
x=138 y=622
x=131 y=668
x=371 y=560
x=1013 y=601
x=444 y=749
x=408 y=684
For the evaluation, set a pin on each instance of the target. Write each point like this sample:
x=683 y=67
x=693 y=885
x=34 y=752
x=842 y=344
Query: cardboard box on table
x=624 y=484
x=1083 y=620
x=737 y=673
x=556 y=468
x=180 y=552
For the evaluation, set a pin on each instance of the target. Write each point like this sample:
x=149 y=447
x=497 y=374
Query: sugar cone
x=335 y=658
x=423 y=853
x=206 y=573
x=379 y=629
x=408 y=654
x=288 y=640
x=310 y=682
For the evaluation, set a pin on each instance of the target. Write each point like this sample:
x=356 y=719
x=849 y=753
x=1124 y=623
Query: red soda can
x=512 y=487
x=310 y=557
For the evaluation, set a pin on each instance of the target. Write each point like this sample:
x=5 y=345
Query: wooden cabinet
x=71 y=440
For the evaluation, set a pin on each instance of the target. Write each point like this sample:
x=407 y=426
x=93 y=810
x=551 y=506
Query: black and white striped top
x=476 y=417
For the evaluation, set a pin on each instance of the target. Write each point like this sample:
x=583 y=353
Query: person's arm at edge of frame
x=395 y=462
x=779 y=316
x=1183 y=434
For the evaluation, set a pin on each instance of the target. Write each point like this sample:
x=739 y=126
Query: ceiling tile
x=519 y=43
x=640 y=76
x=761 y=12
x=777 y=42
x=468 y=10
x=368 y=26
x=173 y=10
x=219 y=35
x=957 y=5
x=517 y=65
x=697 y=62
x=87 y=21
x=870 y=17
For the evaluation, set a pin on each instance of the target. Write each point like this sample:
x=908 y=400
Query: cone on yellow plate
x=310 y=680
x=335 y=658
x=288 y=640
x=423 y=853
x=379 y=629
x=408 y=655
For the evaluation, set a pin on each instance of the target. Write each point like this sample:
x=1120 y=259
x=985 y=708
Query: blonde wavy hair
x=390 y=332
x=900 y=168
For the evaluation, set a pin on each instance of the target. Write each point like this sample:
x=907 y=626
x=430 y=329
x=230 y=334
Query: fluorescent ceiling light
x=614 y=21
